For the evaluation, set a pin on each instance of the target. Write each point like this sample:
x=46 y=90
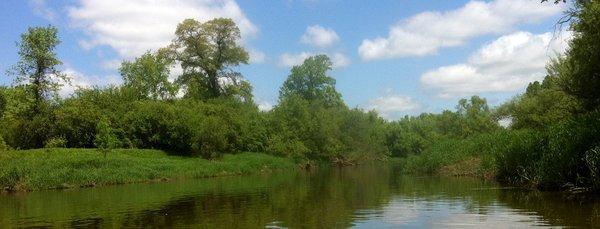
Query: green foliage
x=542 y=104
x=517 y=156
x=208 y=52
x=57 y=142
x=105 y=137
x=3 y=145
x=583 y=78
x=37 y=67
x=413 y=135
x=3 y=101
x=307 y=130
x=563 y=162
x=148 y=76
x=476 y=115
x=311 y=82
x=76 y=120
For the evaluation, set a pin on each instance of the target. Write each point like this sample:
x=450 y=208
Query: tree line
x=208 y=110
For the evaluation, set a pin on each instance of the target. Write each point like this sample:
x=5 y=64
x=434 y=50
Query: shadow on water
x=366 y=196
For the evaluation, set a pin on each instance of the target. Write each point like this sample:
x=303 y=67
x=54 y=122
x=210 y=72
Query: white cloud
x=506 y=64
x=40 y=8
x=264 y=105
x=113 y=64
x=289 y=60
x=427 y=32
x=132 y=27
x=392 y=106
x=80 y=80
x=339 y=60
x=319 y=36
x=256 y=56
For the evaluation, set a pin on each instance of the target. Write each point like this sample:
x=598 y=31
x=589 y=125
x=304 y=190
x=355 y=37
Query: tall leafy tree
x=583 y=57
x=37 y=66
x=477 y=115
x=311 y=82
x=148 y=76
x=543 y=104
x=208 y=53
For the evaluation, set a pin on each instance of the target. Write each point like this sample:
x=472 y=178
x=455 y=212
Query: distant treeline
x=552 y=139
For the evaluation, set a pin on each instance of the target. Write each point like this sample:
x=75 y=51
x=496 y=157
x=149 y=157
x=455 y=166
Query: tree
x=208 y=52
x=583 y=78
x=105 y=138
x=148 y=76
x=311 y=82
x=477 y=115
x=38 y=63
x=542 y=105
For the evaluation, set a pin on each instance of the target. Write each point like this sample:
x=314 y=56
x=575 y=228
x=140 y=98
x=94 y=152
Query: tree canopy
x=208 y=53
x=311 y=82
x=37 y=66
x=148 y=76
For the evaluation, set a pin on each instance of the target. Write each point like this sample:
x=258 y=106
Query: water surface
x=363 y=197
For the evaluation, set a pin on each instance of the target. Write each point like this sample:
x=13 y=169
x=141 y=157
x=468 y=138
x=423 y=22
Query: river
x=376 y=196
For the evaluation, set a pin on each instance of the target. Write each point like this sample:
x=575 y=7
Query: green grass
x=68 y=168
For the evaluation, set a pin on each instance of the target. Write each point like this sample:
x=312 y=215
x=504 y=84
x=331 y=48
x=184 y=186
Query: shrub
x=105 y=138
x=3 y=145
x=159 y=125
x=57 y=142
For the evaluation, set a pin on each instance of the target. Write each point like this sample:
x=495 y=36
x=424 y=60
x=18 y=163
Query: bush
x=76 y=120
x=57 y=142
x=3 y=145
x=159 y=125
x=105 y=139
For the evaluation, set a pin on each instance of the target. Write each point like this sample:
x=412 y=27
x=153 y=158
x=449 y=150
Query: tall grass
x=66 y=168
x=453 y=152
x=560 y=157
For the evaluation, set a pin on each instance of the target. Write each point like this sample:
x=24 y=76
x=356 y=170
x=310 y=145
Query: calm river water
x=361 y=197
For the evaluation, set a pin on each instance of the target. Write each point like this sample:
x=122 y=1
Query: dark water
x=363 y=197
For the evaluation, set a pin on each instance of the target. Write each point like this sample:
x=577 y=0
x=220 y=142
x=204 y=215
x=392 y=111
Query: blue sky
x=397 y=57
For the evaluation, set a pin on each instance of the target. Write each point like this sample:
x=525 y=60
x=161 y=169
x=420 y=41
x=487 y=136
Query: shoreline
x=58 y=168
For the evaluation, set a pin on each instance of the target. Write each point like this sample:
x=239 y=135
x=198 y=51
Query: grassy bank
x=38 y=169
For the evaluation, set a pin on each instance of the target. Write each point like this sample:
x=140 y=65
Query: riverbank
x=39 y=169
x=564 y=157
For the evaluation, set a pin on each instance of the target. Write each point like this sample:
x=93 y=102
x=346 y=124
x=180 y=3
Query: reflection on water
x=362 y=197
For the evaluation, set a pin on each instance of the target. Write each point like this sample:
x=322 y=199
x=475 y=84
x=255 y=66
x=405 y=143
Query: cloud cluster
x=392 y=106
x=80 y=80
x=289 y=60
x=135 y=26
x=40 y=8
x=427 y=32
x=319 y=36
x=256 y=56
x=504 y=65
